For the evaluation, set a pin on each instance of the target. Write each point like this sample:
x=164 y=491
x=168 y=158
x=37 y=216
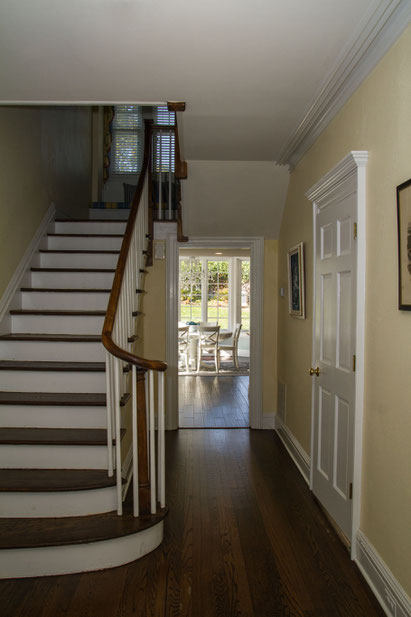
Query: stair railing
x=146 y=470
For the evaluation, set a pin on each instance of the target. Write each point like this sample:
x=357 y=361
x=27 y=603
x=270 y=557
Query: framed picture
x=296 y=301
x=404 y=245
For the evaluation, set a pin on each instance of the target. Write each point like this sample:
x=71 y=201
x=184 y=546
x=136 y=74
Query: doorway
x=214 y=337
x=255 y=245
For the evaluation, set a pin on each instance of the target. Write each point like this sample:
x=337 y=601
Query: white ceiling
x=248 y=69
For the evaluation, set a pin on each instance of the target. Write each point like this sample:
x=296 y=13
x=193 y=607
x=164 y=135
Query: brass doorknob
x=315 y=371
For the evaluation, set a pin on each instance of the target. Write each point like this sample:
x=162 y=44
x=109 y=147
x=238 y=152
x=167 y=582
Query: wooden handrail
x=107 y=335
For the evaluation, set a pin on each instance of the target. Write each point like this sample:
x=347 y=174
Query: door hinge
x=350 y=491
x=355 y=231
x=354 y=363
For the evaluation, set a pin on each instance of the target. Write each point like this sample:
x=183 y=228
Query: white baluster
x=152 y=446
x=169 y=180
x=136 y=502
x=117 y=366
x=161 y=442
x=109 y=417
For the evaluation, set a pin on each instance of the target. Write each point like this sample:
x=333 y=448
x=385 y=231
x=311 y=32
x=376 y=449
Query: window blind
x=163 y=142
x=127 y=140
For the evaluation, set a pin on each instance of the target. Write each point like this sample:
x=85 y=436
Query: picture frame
x=404 y=245
x=296 y=276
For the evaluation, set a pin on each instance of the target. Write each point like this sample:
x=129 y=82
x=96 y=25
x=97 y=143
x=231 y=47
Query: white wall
x=234 y=198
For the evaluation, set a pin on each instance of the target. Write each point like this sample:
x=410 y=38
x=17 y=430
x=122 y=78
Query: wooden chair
x=231 y=345
x=208 y=342
x=183 y=343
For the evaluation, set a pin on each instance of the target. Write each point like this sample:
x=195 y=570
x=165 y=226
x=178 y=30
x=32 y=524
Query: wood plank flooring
x=244 y=538
x=213 y=402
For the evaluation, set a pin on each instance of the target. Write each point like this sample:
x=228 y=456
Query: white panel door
x=334 y=342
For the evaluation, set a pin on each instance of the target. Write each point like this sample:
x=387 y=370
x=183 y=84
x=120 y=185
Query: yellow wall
x=45 y=157
x=377 y=118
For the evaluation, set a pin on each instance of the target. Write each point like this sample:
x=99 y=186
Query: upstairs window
x=163 y=143
x=127 y=140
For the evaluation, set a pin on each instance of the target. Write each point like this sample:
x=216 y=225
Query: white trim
x=172 y=292
x=256 y=246
x=24 y=264
x=373 y=39
x=85 y=557
x=294 y=449
x=269 y=421
x=351 y=167
x=386 y=588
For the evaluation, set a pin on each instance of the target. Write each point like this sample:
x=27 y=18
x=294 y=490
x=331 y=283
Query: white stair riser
x=89 y=227
x=86 y=557
x=84 y=243
x=109 y=213
x=57 y=503
x=50 y=416
x=73 y=280
x=52 y=351
x=78 y=260
x=57 y=324
x=52 y=381
x=53 y=457
x=63 y=300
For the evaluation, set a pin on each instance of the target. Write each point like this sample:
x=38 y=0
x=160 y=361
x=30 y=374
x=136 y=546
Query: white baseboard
x=269 y=421
x=24 y=264
x=386 y=588
x=295 y=449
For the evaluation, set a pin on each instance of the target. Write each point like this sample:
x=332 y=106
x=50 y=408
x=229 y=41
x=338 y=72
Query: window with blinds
x=163 y=141
x=127 y=140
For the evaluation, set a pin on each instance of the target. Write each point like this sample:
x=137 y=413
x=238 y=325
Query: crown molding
x=343 y=170
x=381 y=30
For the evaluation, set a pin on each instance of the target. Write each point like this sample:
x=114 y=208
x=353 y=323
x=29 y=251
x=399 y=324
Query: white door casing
x=338 y=335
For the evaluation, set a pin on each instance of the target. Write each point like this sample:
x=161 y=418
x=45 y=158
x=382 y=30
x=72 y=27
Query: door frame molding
x=351 y=168
x=256 y=246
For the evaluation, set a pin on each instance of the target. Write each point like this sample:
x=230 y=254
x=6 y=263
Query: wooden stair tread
x=85 y=312
x=39 y=532
x=54 y=436
x=45 y=365
x=66 y=399
x=46 y=480
x=64 y=290
x=72 y=269
x=91 y=221
x=86 y=235
x=81 y=251
x=61 y=338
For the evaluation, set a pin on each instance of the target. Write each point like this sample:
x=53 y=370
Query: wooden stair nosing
x=57 y=312
x=49 y=480
x=58 y=399
x=55 y=436
x=64 y=290
x=43 y=532
x=59 y=338
x=124 y=221
x=86 y=235
x=81 y=251
x=45 y=365
x=106 y=270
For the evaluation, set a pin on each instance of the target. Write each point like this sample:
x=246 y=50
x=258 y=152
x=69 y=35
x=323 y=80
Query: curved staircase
x=57 y=503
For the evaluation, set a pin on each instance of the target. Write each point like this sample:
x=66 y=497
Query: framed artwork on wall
x=404 y=245
x=296 y=296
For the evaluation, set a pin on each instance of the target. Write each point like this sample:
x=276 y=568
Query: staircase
x=57 y=502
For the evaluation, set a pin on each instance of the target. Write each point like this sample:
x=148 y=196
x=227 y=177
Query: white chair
x=231 y=345
x=208 y=323
x=208 y=342
x=183 y=344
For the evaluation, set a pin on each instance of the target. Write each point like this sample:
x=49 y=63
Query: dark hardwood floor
x=213 y=402
x=244 y=537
